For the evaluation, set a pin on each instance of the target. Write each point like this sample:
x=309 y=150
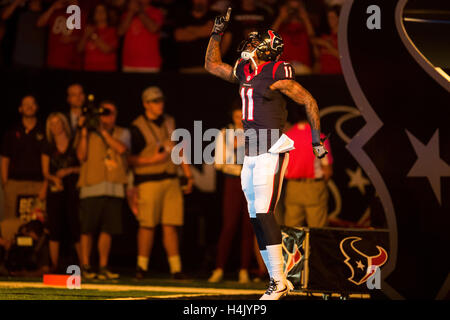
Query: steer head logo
x=361 y=265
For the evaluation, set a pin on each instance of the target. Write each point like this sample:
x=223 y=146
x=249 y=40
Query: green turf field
x=130 y=289
x=126 y=288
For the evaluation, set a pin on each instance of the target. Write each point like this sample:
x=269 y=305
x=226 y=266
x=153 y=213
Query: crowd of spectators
x=79 y=164
x=154 y=35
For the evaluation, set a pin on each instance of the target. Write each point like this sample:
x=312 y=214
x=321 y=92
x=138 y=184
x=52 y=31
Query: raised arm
x=9 y=9
x=213 y=58
x=82 y=145
x=300 y=95
x=149 y=24
x=305 y=18
x=85 y=38
x=133 y=9
x=45 y=17
x=213 y=61
x=115 y=144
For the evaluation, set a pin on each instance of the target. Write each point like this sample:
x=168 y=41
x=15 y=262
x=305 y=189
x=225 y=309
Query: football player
x=263 y=80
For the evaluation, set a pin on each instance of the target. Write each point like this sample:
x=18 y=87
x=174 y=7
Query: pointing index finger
x=227 y=17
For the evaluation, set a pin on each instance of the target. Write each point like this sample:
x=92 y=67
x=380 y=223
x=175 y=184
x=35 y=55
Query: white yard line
x=170 y=296
x=118 y=287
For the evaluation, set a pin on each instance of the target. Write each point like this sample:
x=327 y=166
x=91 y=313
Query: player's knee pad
x=270 y=228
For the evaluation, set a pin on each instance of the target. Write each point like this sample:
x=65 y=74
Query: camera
x=92 y=114
x=30 y=246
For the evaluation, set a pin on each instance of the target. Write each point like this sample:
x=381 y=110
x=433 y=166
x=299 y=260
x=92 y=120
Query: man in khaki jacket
x=160 y=199
x=103 y=175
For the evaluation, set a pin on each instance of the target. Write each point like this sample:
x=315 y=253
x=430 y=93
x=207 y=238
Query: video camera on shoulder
x=92 y=113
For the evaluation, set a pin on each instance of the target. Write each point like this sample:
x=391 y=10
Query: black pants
x=62 y=211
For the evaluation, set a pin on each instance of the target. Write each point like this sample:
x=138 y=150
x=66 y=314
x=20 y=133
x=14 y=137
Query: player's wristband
x=315 y=136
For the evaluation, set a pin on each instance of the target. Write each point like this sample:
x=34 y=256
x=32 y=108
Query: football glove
x=221 y=23
x=319 y=149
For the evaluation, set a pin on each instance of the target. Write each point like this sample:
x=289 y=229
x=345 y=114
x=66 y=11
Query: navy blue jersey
x=262 y=108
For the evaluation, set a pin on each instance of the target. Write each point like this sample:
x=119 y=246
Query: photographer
x=103 y=174
x=160 y=199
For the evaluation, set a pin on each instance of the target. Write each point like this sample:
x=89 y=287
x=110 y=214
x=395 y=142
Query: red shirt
x=141 y=47
x=60 y=54
x=303 y=164
x=296 y=43
x=97 y=60
x=328 y=62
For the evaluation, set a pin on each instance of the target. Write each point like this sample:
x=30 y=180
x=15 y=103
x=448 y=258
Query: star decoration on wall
x=429 y=163
x=357 y=180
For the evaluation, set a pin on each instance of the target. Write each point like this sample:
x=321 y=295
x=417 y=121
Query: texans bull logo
x=274 y=37
x=361 y=265
x=404 y=147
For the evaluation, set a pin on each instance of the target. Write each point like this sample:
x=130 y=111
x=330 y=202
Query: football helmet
x=268 y=45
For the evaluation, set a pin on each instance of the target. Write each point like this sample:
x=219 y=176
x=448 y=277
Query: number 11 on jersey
x=247 y=103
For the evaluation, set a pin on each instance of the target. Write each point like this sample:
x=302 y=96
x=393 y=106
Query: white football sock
x=276 y=261
x=265 y=257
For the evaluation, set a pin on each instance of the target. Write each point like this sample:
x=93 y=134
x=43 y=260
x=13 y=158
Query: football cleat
x=277 y=289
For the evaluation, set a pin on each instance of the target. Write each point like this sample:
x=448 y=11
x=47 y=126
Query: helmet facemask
x=248 y=47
